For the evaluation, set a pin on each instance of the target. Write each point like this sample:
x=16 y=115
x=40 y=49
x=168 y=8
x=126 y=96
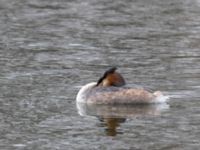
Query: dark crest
x=109 y=71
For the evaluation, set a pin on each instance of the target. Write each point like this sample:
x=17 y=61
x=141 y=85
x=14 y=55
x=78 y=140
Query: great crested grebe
x=110 y=89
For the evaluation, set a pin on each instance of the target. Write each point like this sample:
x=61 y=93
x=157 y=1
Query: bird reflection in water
x=111 y=116
x=111 y=125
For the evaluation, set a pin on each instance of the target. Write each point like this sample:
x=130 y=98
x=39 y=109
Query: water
x=48 y=49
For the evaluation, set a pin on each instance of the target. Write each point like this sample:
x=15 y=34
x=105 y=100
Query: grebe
x=110 y=89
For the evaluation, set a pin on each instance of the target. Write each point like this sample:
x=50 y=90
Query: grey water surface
x=49 y=49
